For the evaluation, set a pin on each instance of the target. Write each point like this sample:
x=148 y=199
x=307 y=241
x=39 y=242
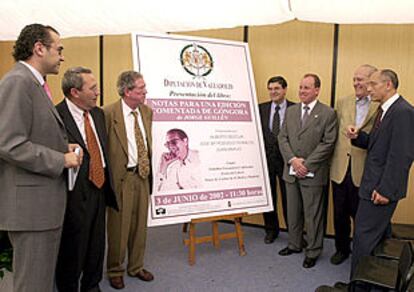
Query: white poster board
x=205 y=89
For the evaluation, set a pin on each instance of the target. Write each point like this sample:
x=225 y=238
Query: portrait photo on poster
x=179 y=166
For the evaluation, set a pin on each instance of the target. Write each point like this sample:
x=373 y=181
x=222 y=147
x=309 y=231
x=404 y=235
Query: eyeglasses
x=172 y=142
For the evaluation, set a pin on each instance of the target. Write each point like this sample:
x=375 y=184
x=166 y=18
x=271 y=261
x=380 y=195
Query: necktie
x=305 y=115
x=377 y=122
x=143 y=159
x=47 y=89
x=96 y=170
x=276 y=121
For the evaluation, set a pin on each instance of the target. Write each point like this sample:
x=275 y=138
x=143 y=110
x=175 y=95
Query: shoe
x=339 y=257
x=287 y=251
x=309 y=262
x=270 y=237
x=326 y=288
x=342 y=286
x=117 y=282
x=144 y=275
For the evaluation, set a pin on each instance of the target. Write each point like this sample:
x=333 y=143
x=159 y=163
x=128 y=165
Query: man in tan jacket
x=128 y=122
x=348 y=161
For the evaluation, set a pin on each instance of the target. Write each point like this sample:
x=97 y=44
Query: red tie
x=47 y=89
x=377 y=122
x=96 y=170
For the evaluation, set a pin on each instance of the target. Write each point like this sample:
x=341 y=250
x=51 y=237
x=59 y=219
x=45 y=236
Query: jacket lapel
x=147 y=126
x=385 y=120
x=71 y=126
x=313 y=117
x=119 y=127
x=371 y=112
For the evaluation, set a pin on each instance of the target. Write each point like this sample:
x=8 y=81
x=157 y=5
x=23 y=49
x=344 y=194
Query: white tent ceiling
x=99 y=17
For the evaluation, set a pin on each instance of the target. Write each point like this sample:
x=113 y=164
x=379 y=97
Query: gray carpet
x=262 y=269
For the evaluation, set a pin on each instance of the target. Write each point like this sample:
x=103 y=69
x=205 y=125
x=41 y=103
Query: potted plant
x=6 y=254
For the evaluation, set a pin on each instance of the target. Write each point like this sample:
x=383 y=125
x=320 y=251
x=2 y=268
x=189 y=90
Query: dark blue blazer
x=273 y=156
x=390 y=152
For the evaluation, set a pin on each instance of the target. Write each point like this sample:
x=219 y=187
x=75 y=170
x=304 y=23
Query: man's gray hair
x=127 y=81
x=73 y=79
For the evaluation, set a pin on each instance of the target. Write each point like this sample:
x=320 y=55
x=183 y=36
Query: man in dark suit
x=347 y=162
x=33 y=154
x=82 y=246
x=390 y=152
x=306 y=141
x=272 y=115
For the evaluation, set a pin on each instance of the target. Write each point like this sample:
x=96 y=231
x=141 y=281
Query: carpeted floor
x=262 y=269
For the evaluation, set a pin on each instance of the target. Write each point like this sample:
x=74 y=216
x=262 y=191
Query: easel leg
x=239 y=234
x=192 y=244
x=216 y=240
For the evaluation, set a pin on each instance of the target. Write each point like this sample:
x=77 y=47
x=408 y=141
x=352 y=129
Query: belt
x=132 y=169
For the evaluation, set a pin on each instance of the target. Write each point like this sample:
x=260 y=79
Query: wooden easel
x=216 y=237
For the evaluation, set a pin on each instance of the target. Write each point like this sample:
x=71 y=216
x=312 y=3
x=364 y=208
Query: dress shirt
x=386 y=105
x=77 y=115
x=282 y=110
x=311 y=105
x=36 y=73
x=129 y=121
x=362 y=108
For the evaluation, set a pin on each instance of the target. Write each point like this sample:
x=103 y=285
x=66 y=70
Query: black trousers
x=345 y=200
x=372 y=224
x=271 y=219
x=82 y=245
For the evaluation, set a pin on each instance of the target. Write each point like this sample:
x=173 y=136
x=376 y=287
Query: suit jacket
x=83 y=185
x=314 y=141
x=118 y=144
x=32 y=146
x=390 y=152
x=344 y=151
x=273 y=156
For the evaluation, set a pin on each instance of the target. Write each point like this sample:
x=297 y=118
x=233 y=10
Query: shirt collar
x=74 y=108
x=282 y=105
x=386 y=105
x=363 y=99
x=311 y=105
x=126 y=110
x=36 y=73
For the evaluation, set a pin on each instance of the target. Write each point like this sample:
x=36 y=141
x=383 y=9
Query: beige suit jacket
x=346 y=111
x=118 y=143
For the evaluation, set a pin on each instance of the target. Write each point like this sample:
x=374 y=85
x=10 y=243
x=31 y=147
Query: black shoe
x=287 y=251
x=339 y=257
x=342 y=286
x=309 y=262
x=270 y=237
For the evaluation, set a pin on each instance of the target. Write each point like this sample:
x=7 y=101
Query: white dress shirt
x=77 y=115
x=129 y=121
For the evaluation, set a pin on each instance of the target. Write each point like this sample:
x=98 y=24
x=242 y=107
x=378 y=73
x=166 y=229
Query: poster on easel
x=208 y=155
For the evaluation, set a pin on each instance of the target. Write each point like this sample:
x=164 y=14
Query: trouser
x=127 y=229
x=271 y=219
x=34 y=259
x=305 y=209
x=345 y=199
x=372 y=224
x=82 y=247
